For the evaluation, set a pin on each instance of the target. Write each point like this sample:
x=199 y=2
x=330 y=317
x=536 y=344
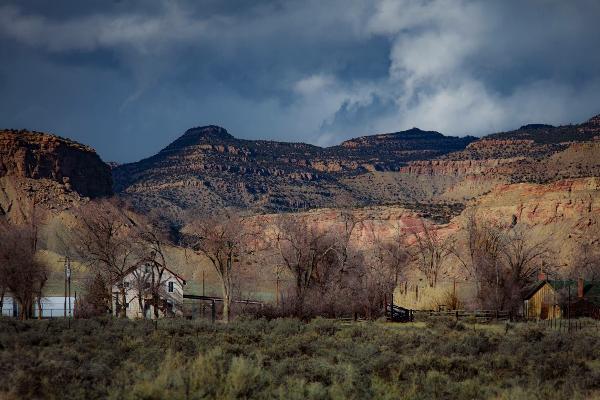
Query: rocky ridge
x=47 y=170
x=207 y=168
x=36 y=155
x=534 y=153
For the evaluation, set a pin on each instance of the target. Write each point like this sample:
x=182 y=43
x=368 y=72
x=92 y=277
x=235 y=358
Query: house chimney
x=542 y=276
x=580 y=288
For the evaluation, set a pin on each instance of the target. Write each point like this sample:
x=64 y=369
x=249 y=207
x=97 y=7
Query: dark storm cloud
x=127 y=77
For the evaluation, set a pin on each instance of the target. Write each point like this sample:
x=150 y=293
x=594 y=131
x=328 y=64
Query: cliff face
x=208 y=168
x=534 y=153
x=46 y=171
x=574 y=202
x=563 y=214
x=34 y=155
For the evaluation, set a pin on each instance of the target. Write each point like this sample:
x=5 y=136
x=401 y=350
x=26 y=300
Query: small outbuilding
x=553 y=299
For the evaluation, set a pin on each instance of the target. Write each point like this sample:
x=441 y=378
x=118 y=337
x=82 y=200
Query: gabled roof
x=533 y=289
x=590 y=289
x=175 y=274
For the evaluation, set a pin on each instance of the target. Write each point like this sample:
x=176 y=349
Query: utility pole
x=68 y=272
x=569 y=309
x=66 y=283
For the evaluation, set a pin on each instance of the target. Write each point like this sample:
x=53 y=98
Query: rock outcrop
x=47 y=171
x=36 y=155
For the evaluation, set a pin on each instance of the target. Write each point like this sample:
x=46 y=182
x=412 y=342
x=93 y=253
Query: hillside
x=531 y=154
x=207 y=167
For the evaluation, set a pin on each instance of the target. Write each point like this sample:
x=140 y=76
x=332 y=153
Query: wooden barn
x=553 y=299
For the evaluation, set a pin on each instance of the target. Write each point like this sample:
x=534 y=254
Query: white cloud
x=439 y=49
x=313 y=84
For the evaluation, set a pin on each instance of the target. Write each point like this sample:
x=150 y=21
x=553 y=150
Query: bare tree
x=151 y=240
x=586 y=260
x=430 y=251
x=385 y=264
x=224 y=239
x=480 y=254
x=522 y=256
x=343 y=232
x=303 y=249
x=393 y=253
x=104 y=239
x=22 y=275
x=141 y=284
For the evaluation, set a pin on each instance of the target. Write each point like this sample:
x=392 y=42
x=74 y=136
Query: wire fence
x=45 y=314
x=569 y=325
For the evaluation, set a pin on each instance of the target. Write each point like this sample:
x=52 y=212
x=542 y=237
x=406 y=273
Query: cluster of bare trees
x=114 y=244
x=331 y=274
x=226 y=240
x=21 y=273
x=331 y=269
x=501 y=261
x=328 y=274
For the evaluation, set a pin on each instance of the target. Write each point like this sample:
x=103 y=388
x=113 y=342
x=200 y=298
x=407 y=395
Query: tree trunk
x=226 y=303
x=155 y=301
x=141 y=305
x=110 y=298
x=39 y=304
x=123 y=311
x=155 y=297
x=25 y=307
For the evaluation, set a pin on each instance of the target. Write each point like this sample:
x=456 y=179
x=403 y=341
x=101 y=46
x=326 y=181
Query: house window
x=171 y=288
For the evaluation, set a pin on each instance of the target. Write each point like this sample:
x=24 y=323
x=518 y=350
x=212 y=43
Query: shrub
x=289 y=359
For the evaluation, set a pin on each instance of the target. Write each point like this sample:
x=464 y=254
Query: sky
x=128 y=77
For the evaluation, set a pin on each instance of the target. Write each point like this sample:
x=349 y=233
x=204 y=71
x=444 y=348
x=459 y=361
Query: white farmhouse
x=150 y=292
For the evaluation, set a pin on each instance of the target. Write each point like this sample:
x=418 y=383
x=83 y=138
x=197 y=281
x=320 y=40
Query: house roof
x=175 y=274
x=591 y=290
x=593 y=294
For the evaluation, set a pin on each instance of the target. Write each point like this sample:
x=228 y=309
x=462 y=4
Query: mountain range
x=207 y=168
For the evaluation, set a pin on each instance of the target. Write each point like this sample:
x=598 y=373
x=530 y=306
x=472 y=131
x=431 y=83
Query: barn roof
x=593 y=293
x=591 y=290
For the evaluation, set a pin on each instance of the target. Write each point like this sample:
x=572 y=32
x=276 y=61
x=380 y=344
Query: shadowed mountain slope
x=207 y=168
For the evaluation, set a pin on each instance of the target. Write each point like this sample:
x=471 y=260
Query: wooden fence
x=479 y=315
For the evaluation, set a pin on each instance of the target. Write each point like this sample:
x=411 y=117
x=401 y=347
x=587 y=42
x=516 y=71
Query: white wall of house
x=171 y=290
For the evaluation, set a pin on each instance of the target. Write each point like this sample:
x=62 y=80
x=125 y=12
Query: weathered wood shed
x=552 y=299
